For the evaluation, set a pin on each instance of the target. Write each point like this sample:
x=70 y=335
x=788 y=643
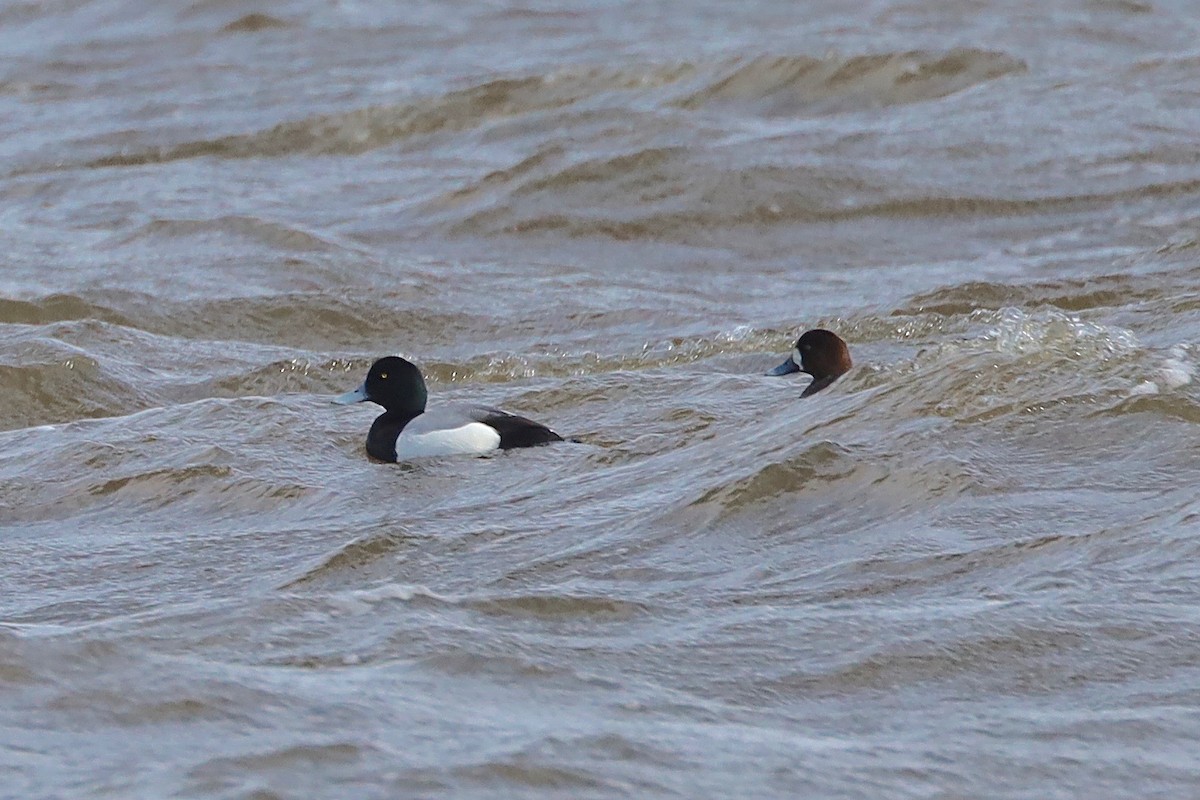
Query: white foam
x=1177 y=370
x=394 y=591
x=1051 y=331
x=739 y=333
x=361 y=601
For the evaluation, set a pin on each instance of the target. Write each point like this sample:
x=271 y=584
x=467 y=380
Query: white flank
x=471 y=439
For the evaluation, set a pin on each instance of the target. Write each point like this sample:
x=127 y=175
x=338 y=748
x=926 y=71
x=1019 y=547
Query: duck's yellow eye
x=383 y=377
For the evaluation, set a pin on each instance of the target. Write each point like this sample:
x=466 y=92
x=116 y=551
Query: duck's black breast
x=381 y=439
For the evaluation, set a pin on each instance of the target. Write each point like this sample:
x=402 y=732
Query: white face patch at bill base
x=799 y=359
x=472 y=438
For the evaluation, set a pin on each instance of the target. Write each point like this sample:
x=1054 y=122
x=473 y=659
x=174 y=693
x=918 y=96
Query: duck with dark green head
x=407 y=430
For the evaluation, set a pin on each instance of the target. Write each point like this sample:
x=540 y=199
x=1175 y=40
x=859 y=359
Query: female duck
x=820 y=353
x=406 y=430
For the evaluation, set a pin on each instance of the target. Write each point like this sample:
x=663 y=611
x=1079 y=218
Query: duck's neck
x=818 y=384
x=381 y=441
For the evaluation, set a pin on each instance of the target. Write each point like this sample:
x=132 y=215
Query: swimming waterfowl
x=406 y=430
x=819 y=353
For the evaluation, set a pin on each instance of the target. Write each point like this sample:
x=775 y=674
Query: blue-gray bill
x=786 y=368
x=359 y=395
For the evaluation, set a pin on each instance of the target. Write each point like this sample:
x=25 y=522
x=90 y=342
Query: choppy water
x=967 y=570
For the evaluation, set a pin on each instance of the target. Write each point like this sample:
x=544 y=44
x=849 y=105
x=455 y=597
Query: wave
x=219 y=490
x=254 y=22
x=982 y=372
x=811 y=471
x=1071 y=294
x=362 y=130
x=1010 y=362
x=69 y=386
x=800 y=86
x=555 y=606
x=311 y=319
x=771 y=86
x=220 y=486
x=1038 y=349
x=272 y=234
x=662 y=194
x=57 y=308
x=354 y=555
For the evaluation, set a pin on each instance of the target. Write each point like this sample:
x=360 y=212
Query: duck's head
x=819 y=353
x=392 y=382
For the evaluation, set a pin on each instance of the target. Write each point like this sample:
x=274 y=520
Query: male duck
x=406 y=430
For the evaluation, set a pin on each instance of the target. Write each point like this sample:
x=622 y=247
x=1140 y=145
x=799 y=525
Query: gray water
x=967 y=570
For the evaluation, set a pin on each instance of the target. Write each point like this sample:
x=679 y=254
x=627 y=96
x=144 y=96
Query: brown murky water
x=969 y=569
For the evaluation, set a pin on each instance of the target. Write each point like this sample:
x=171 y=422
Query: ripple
x=776 y=85
x=362 y=130
x=281 y=765
x=1165 y=407
x=792 y=85
x=152 y=484
x=818 y=465
x=1012 y=363
x=558 y=606
x=529 y=774
x=353 y=556
x=56 y=308
x=274 y=235
x=252 y=23
x=71 y=387
x=1100 y=291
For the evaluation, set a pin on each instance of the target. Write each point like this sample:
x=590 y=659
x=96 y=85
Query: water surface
x=966 y=570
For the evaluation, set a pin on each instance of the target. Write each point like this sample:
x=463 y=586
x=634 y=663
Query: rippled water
x=969 y=569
